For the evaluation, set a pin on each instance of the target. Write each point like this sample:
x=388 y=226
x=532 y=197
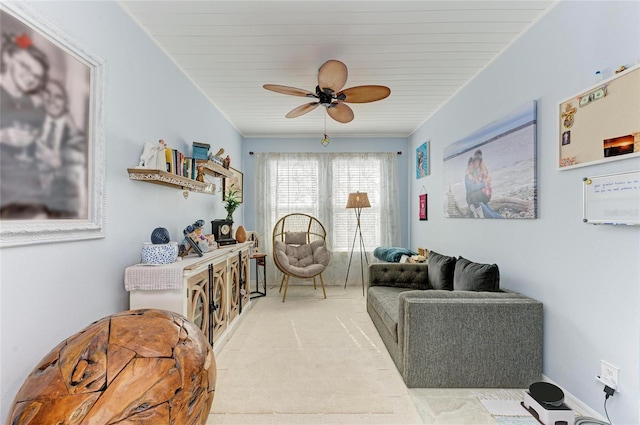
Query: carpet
x=516 y=420
x=306 y=356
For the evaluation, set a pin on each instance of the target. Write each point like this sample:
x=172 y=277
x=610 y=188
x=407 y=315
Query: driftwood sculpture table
x=136 y=367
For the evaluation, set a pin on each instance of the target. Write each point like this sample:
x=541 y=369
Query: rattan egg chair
x=300 y=249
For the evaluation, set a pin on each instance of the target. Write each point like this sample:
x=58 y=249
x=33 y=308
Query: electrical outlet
x=609 y=374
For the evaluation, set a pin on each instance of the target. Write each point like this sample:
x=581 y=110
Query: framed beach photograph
x=52 y=160
x=491 y=173
x=235 y=182
x=422 y=160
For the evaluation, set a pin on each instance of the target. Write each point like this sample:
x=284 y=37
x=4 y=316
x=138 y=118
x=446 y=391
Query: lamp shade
x=358 y=200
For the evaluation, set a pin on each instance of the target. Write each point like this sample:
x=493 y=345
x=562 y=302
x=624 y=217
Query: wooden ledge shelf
x=210 y=167
x=168 y=179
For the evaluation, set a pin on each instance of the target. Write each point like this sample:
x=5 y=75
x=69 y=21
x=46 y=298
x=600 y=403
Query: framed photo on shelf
x=193 y=245
x=52 y=178
x=235 y=182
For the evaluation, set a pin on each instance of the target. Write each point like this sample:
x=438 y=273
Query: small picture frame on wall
x=423 y=207
x=422 y=160
x=236 y=182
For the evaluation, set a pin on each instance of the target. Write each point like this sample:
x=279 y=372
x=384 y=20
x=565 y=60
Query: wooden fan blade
x=288 y=90
x=364 y=94
x=340 y=112
x=332 y=75
x=302 y=109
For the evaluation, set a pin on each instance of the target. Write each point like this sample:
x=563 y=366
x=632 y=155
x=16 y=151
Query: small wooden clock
x=222 y=230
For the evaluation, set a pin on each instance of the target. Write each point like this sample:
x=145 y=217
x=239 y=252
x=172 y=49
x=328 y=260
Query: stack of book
x=162 y=157
x=178 y=163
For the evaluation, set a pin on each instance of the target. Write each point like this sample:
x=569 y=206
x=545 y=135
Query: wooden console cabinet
x=211 y=291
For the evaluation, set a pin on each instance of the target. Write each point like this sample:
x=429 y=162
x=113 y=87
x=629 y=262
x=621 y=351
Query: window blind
x=299 y=184
x=351 y=175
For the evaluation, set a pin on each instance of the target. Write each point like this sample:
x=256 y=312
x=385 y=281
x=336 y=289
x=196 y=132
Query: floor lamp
x=358 y=201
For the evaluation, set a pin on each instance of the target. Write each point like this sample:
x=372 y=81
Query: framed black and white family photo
x=52 y=160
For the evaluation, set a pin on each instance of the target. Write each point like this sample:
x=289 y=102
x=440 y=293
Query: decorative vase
x=160 y=235
x=241 y=234
x=230 y=215
x=156 y=254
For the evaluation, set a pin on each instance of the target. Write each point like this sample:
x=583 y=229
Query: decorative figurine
x=622 y=68
x=153 y=156
x=140 y=366
x=200 y=176
x=206 y=243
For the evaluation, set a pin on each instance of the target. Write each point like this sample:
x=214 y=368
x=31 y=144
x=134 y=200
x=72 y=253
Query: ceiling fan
x=332 y=77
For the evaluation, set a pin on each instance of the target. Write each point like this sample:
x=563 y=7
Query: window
x=320 y=184
x=294 y=187
x=351 y=175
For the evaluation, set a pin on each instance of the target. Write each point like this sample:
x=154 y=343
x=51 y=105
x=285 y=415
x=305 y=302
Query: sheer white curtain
x=318 y=184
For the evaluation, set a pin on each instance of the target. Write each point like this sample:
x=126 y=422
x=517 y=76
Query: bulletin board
x=602 y=123
x=612 y=199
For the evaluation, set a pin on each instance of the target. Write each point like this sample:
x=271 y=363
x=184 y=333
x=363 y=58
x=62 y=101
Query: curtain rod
x=399 y=152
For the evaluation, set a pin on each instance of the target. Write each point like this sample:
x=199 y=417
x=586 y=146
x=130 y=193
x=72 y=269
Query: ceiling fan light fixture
x=332 y=77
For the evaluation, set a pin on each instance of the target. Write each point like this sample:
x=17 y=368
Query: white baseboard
x=575 y=403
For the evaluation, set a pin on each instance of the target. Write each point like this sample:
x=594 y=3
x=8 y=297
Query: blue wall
x=588 y=277
x=49 y=292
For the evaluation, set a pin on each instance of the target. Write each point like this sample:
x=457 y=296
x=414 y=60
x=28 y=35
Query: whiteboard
x=612 y=199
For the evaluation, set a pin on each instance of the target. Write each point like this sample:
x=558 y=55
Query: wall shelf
x=168 y=179
x=211 y=168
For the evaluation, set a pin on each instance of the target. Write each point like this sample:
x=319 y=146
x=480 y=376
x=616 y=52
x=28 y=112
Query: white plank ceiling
x=424 y=51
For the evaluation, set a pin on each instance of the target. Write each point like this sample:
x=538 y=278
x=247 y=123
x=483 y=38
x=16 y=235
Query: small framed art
x=423 y=207
x=193 y=245
x=422 y=160
x=236 y=182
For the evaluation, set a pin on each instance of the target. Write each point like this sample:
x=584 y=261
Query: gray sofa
x=454 y=338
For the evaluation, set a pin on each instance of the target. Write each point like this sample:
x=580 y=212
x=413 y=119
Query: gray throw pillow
x=441 y=268
x=470 y=276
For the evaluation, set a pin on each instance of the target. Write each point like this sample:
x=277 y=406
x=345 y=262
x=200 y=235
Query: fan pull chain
x=325 y=142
